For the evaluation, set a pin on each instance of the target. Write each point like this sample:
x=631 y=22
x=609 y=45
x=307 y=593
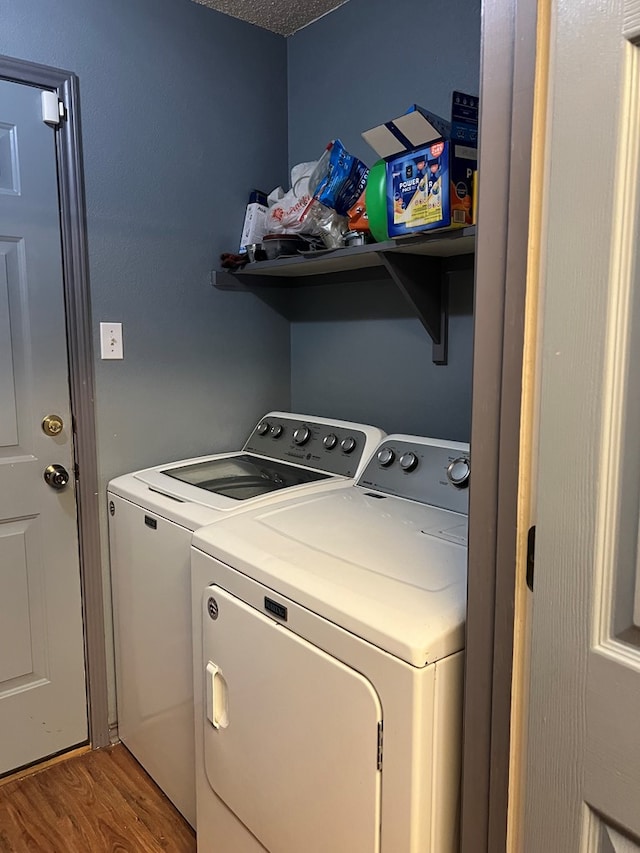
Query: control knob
x=348 y=444
x=302 y=435
x=262 y=428
x=276 y=431
x=386 y=457
x=458 y=472
x=330 y=441
x=408 y=461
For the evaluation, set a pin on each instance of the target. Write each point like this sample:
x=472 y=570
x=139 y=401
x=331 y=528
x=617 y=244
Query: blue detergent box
x=430 y=167
x=418 y=189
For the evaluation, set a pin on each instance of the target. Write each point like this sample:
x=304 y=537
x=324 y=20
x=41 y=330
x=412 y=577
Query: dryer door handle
x=217 y=697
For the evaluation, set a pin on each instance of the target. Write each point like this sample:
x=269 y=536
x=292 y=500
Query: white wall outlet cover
x=111 y=340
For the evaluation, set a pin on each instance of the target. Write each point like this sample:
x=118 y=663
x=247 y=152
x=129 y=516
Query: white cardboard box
x=255 y=225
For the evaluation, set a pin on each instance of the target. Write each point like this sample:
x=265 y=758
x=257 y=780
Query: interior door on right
x=583 y=767
x=291 y=734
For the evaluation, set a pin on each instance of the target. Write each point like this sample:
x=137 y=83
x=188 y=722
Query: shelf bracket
x=424 y=283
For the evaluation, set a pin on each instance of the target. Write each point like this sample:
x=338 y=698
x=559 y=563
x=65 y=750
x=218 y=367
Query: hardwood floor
x=99 y=802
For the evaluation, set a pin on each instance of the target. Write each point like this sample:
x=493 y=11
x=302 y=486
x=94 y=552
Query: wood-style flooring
x=99 y=802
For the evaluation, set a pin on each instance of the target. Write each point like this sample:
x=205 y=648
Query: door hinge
x=53 y=110
x=380 y=726
x=531 y=553
x=76 y=471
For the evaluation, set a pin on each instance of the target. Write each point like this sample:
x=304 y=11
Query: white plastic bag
x=288 y=211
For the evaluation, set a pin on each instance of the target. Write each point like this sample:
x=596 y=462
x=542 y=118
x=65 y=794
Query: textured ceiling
x=279 y=16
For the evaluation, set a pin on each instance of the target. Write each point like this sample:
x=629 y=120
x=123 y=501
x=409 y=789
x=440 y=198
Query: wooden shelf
x=419 y=265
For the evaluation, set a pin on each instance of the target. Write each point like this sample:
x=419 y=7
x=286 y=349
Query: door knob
x=56 y=476
x=52 y=425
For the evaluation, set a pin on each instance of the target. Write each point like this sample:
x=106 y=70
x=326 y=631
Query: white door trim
x=80 y=349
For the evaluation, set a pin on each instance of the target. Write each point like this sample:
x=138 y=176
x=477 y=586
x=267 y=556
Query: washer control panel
x=421 y=469
x=336 y=448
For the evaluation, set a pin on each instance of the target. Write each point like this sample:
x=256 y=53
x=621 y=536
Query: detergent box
x=255 y=220
x=430 y=167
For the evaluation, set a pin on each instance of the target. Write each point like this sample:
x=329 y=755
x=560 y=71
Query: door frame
x=507 y=81
x=75 y=271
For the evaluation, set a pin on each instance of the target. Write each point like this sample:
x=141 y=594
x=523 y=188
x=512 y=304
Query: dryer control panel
x=430 y=471
x=336 y=447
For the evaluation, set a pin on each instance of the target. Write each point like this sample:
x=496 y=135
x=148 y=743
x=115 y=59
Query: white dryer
x=152 y=515
x=328 y=663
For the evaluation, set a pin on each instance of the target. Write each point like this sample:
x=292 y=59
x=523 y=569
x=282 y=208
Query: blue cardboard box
x=430 y=167
x=418 y=189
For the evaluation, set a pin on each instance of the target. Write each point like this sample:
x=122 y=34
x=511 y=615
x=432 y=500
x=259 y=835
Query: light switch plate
x=111 y=340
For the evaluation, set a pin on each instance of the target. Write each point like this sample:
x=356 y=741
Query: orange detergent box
x=430 y=167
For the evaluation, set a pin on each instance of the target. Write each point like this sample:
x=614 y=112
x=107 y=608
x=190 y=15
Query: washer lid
x=389 y=570
x=243 y=476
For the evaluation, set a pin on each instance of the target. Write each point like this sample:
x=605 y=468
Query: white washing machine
x=152 y=515
x=328 y=663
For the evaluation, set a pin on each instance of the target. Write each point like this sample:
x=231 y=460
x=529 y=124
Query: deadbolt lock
x=52 y=425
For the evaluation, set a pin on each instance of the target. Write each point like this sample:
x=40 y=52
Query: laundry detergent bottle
x=376 y=201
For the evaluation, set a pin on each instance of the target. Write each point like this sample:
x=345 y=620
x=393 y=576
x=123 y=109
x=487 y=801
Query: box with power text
x=430 y=181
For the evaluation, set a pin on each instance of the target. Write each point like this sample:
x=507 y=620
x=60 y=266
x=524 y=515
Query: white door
x=291 y=734
x=42 y=683
x=583 y=766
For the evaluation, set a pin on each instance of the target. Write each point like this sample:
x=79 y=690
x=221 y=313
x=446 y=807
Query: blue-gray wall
x=175 y=101
x=361 y=65
x=183 y=110
x=172 y=95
